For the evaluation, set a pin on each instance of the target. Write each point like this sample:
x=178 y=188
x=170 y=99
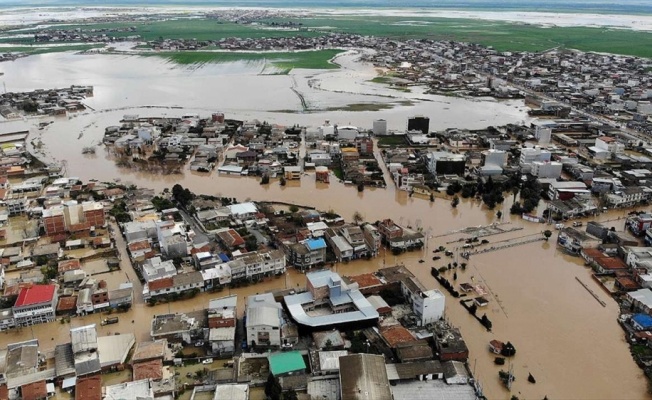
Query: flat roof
x=282 y=363
x=232 y=392
x=114 y=349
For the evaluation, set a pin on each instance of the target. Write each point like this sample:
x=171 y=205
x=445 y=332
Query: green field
x=281 y=62
x=503 y=36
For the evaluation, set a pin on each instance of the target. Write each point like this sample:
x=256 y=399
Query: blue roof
x=223 y=257
x=316 y=244
x=643 y=320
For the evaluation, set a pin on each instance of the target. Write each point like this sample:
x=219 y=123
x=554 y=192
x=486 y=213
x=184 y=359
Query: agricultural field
x=280 y=63
x=503 y=36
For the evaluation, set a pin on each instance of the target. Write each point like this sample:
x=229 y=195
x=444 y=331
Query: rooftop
x=36 y=294
x=232 y=392
x=34 y=391
x=152 y=369
x=149 y=350
x=364 y=377
x=396 y=334
x=89 y=388
x=283 y=363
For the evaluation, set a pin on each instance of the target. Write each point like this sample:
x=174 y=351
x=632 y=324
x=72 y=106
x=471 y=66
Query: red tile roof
x=67 y=303
x=69 y=265
x=35 y=295
x=396 y=334
x=161 y=284
x=34 y=391
x=152 y=369
x=89 y=388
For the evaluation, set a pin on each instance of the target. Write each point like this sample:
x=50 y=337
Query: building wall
x=254 y=333
x=55 y=224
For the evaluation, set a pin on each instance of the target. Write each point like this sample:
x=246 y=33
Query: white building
x=263 y=322
x=380 y=127
x=495 y=157
x=428 y=305
x=532 y=154
x=35 y=304
x=545 y=169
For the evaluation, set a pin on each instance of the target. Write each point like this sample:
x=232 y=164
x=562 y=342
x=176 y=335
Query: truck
x=109 y=321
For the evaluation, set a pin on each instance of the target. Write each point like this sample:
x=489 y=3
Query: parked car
x=207 y=361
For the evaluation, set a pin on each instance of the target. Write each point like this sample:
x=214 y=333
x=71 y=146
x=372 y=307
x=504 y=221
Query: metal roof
x=364 y=377
x=264 y=315
x=283 y=363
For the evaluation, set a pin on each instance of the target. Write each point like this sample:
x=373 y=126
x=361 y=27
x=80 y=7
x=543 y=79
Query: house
x=35 y=304
x=85 y=350
x=292 y=173
x=231 y=391
x=89 y=388
x=263 y=321
x=641 y=300
x=573 y=240
x=179 y=327
x=308 y=253
x=428 y=305
x=230 y=238
x=222 y=313
x=286 y=363
x=176 y=284
x=364 y=377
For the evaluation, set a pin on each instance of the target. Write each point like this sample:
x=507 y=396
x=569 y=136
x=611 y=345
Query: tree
x=273 y=388
x=357 y=218
x=264 y=180
x=360 y=187
x=290 y=395
x=293 y=208
x=328 y=345
x=499 y=215
x=547 y=233
x=455 y=201
x=432 y=197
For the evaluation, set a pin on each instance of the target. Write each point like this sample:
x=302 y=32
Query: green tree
x=273 y=388
x=290 y=395
x=455 y=201
x=293 y=208
x=547 y=233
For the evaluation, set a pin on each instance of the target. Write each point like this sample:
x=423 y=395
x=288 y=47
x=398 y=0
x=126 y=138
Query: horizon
x=560 y=6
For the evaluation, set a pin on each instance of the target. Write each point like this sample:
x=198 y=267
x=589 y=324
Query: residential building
x=428 y=305
x=35 y=304
x=573 y=240
x=176 y=284
x=308 y=253
x=222 y=314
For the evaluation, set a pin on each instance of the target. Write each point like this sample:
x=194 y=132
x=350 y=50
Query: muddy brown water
x=563 y=336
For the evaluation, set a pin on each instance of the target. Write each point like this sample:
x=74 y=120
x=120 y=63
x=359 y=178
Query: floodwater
x=563 y=336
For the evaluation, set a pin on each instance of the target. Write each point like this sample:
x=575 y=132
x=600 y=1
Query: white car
x=207 y=361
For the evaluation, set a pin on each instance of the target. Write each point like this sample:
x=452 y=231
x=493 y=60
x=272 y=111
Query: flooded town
x=430 y=220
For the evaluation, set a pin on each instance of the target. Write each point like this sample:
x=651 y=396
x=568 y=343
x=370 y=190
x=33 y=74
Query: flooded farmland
x=563 y=336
